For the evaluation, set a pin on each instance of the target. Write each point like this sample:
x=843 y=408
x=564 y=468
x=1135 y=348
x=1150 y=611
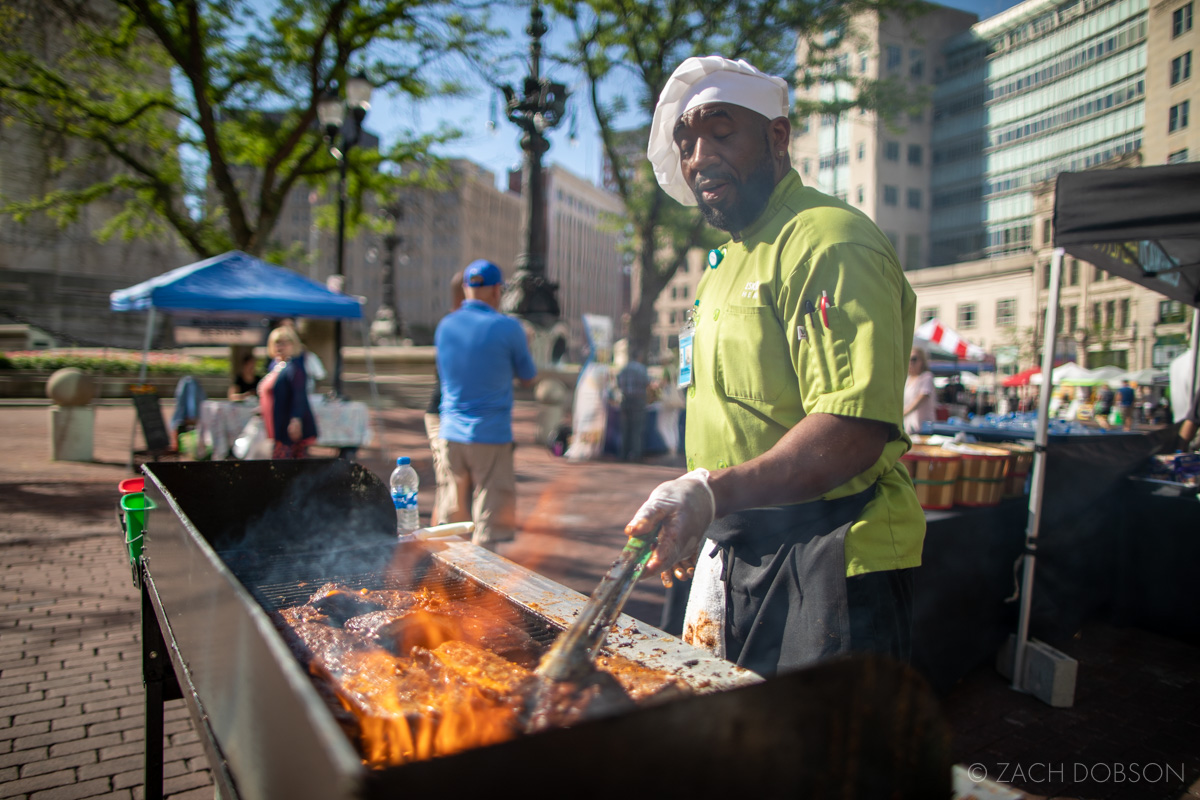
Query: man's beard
x=752 y=196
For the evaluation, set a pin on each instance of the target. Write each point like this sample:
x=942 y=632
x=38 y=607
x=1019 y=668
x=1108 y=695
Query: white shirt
x=915 y=386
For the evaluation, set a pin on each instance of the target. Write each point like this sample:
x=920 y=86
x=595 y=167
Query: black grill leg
x=158 y=677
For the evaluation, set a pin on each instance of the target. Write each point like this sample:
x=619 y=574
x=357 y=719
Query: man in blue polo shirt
x=479 y=353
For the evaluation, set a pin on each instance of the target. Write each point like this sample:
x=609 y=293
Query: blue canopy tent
x=239 y=283
x=234 y=284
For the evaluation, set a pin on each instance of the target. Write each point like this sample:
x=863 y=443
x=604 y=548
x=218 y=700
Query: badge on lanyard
x=685 y=347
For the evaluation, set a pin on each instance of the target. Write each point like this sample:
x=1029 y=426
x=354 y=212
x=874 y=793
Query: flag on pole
x=949 y=340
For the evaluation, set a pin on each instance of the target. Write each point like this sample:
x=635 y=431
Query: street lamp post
x=343 y=133
x=537 y=109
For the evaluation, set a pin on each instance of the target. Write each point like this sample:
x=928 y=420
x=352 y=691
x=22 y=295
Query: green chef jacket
x=761 y=364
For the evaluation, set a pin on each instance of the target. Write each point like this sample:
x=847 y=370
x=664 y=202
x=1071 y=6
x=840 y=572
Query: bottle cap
x=402 y=460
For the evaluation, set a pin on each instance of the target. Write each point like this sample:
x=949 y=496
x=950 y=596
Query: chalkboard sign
x=149 y=413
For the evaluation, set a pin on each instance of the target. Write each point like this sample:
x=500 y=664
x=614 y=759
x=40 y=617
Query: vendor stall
x=229 y=287
x=341 y=424
x=1142 y=224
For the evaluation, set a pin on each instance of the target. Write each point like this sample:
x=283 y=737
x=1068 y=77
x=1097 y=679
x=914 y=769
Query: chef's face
x=728 y=155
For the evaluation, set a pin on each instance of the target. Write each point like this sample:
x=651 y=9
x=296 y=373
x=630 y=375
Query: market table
x=342 y=424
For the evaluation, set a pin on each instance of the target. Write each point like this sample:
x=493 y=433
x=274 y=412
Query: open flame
x=446 y=719
x=423 y=690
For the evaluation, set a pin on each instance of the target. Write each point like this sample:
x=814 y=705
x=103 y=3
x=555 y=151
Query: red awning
x=1021 y=378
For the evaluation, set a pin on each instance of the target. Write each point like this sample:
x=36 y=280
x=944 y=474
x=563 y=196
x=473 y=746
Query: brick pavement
x=70 y=682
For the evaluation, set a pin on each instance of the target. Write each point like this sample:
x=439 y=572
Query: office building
x=57 y=275
x=1044 y=87
x=879 y=164
x=584 y=254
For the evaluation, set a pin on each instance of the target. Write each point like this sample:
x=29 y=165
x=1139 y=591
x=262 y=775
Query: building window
x=1110 y=317
x=1181 y=21
x=891 y=151
x=1073 y=273
x=913 y=198
x=1097 y=274
x=916 y=64
x=859 y=194
x=1171 y=311
x=1179 y=117
x=1047 y=230
x=804 y=166
x=1072 y=318
x=674 y=292
x=1124 y=318
x=928 y=313
x=893 y=238
x=671 y=318
x=966 y=316
x=862 y=151
x=684 y=293
x=863 y=61
x=802 y=126
x=1181 y=68
x=828 y=120
x=1046 y=276
x=891 y=195
x=1006 y=312
x=914 y=154
x=912 y=251
x=1178 y=157
x=895 y=55
x=1097 y=318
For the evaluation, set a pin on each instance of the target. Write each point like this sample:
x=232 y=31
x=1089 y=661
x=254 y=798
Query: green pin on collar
x=714 y=257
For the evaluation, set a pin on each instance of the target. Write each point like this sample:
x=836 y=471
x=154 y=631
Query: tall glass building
x=1045 y=87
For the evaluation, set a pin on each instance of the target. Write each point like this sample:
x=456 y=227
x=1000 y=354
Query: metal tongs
x=570 y=657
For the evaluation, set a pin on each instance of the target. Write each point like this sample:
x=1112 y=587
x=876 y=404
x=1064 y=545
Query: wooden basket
x=982 y=478
x=934 y=472
x=1020 y=461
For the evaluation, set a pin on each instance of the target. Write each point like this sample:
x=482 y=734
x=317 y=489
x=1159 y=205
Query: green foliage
x=627 y=50
x=200 y=117
x=122 y=365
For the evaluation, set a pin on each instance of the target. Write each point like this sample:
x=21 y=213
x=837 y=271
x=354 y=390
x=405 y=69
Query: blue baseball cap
x=482 y=273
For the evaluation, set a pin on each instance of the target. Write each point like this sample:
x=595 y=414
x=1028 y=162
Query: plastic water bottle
x=404 y=496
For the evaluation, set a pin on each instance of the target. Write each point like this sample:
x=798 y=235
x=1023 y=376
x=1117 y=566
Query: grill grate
x=281 y=581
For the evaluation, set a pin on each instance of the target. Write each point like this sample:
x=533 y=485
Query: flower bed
x=114 y=362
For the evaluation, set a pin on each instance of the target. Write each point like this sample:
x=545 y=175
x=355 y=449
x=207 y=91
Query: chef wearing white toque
x=806 y=526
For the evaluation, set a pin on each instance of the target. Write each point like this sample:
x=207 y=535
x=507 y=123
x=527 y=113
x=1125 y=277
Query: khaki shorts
x=445 y=500
x=483 y=473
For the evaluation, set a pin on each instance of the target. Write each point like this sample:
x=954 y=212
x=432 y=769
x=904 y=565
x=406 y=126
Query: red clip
x=824 y=304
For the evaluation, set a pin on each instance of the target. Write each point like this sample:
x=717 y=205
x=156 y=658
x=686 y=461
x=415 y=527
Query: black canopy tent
x=1142 y=224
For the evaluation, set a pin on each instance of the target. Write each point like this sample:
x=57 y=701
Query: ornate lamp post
x=537 y=109
x=343 y=133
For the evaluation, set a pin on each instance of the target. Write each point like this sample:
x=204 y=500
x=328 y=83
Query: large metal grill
x=230 y=542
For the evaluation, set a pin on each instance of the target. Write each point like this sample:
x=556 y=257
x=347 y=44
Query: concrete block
x=72 y=433
x=1049 y=674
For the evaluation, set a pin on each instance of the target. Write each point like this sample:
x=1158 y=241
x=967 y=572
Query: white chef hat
x=699 y=80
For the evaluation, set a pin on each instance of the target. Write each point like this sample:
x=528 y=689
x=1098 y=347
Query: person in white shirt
x=918 y=392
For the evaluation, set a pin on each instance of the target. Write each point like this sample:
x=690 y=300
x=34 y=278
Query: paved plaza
x=70 y=674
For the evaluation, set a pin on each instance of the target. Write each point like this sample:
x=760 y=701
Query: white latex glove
x=685 y=507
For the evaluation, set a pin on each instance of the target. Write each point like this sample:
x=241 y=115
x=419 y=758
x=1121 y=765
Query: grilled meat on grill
x=404 y=662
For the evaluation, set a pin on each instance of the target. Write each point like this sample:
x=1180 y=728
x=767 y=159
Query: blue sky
x=498 y=150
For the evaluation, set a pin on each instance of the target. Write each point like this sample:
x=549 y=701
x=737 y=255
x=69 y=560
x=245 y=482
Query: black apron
x=785 y=582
